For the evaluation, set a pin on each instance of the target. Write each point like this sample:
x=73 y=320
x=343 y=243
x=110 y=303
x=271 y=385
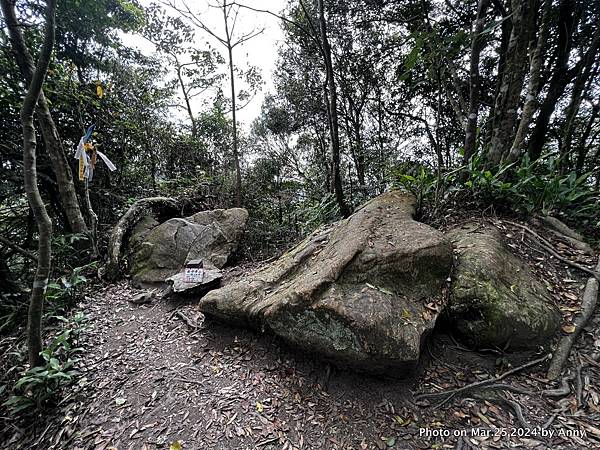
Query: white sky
x=259 y=51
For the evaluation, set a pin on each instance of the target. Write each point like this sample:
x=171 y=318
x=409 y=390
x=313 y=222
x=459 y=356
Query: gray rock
x=138 y=235
x=208 y=235
x=496 y=300
x=143 y=298
x=211 y=279
x=364 y=292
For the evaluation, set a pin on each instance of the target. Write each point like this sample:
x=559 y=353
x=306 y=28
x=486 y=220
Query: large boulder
x=138 y=235
x=364 y=292
x=208 y=235
x=496 y=301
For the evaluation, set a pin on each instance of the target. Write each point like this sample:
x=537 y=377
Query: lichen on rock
x=496 y=301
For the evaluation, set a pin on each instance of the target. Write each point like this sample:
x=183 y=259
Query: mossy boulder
x=138 y=235
x=208 y=235
x=496 y=301
x=364 y=292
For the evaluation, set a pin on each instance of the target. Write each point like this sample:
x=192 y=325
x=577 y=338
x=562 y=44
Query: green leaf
x=413 y=56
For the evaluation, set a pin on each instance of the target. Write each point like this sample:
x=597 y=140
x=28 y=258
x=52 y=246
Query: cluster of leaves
x=417 y=179
x=531 y=187
x=62 y=292
x=536 y=186
x=40 y=386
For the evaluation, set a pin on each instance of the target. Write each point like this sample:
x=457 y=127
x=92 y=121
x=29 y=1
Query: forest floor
x=159 y=376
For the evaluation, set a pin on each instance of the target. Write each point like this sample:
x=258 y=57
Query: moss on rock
x=496 y=301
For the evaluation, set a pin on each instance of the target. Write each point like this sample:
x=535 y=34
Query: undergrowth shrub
x=41 y=386
x=528 y=188
x=63 y=293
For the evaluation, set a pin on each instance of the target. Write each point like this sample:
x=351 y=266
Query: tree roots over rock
x=136 y=212
x=364 y=292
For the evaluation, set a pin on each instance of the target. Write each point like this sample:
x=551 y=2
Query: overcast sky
x=260 y=51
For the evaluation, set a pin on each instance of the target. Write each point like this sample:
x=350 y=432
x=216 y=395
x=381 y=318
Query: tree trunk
x=60 y=165
x=582 y=148
x=186 y=97
x=40 y=283
x=560 y=77
x=506 y=29
x=507 y=101
x=534 y=85
x=236 y=157
x=585 y=73
x=333 y=115
x=474 y=82
x=127 y=222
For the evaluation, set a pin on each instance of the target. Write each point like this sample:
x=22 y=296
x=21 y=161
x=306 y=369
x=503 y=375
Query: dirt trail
x=156 y=375
x=154 y=380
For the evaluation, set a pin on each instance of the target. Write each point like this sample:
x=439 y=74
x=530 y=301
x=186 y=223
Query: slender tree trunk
x=476 y=47
x=186 y=97
x=382 y=158
x=236 y=157
x=507 y=102
x=582 y=148
x=458 y=111
x=534 y=86
x=40 y=283
x=93 y=219
x=585 y=73
x=60 y=165
x=506 y=29
x=333 y=115
x=559 y=80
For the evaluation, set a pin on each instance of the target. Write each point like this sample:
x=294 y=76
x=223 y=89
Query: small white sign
x=193 y=275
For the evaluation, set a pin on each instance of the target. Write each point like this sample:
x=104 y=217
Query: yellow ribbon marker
x=81 y=168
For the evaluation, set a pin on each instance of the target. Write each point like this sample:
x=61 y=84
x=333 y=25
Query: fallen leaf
x=568 y=328
x=176 y=445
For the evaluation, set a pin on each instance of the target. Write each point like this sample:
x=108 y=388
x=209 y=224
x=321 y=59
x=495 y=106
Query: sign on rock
x=194 y=271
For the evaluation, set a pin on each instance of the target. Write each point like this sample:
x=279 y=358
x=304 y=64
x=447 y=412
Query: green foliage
x=536 y=186
x=39 y=386
x=531 y=187
x=416 y=179
x=65 y=290
x=313 y=214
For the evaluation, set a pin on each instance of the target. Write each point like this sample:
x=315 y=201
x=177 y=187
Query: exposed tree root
x=133 y=215
x=578 y=245
x=588 y=304
x=518 y=409
x=579 y=386
x=492 y=382
x=561 y=227
x=193 y=324
x=546 y=245
x=562 y=390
